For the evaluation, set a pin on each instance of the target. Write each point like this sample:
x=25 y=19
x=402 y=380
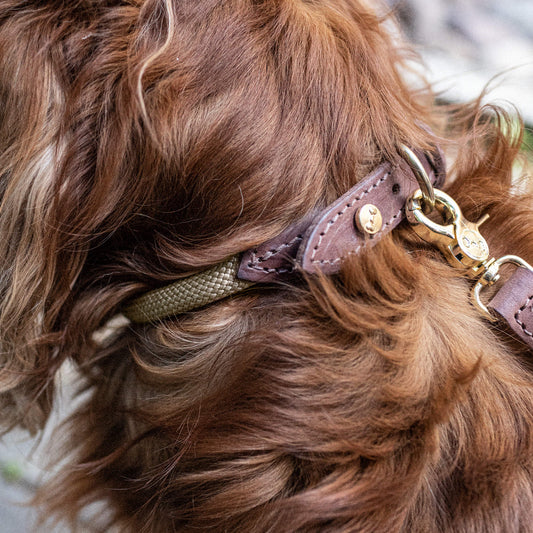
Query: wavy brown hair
x=143 y=140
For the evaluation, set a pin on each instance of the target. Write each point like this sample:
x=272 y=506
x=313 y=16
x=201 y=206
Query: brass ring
x=421 y=176
x=491 y=276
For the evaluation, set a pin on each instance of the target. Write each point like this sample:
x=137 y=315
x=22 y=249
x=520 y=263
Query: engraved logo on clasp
x=473 y=244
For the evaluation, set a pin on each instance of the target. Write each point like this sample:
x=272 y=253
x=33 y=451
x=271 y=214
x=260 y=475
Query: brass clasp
x=458 y=239
x=428 y=192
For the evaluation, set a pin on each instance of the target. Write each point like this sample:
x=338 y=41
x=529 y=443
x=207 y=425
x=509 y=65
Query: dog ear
x=82 y=152
x=118 y=123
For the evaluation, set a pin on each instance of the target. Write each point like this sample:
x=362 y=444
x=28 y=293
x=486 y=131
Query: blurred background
x=465 y=44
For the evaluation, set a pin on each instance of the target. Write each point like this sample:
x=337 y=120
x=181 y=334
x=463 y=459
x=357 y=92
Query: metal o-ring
x=422 y=177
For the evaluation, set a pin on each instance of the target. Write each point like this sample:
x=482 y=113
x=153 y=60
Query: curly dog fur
x=144 y=140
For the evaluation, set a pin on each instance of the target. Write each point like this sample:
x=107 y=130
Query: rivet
x=368 y=219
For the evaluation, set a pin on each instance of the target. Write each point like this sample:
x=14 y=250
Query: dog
x=144 y=142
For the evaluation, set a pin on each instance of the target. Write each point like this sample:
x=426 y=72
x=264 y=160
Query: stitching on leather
x=339 y=214
x=278 y=270
x=253 y=264
x=523 y=308
x=332 y=222
x=275 y=251
x=356 y=250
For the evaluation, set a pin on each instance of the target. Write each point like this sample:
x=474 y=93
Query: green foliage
x=11 y=471
x=527 y=143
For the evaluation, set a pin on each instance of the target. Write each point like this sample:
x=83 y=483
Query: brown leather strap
x=274 y=259
x=514 y=303
x=322 y=241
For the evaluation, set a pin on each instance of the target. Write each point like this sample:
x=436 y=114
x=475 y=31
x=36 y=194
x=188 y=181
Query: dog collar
x=356 y=221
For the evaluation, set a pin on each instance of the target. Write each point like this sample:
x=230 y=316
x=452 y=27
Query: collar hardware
x=426 y=185
x=458 y=239
x=463 y=246
x=369 y=220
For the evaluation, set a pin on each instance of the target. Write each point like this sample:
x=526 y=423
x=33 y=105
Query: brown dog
x=143 y=141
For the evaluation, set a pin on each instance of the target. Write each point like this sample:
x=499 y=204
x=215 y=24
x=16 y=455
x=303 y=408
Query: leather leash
x=514 y=303
x=354 y=222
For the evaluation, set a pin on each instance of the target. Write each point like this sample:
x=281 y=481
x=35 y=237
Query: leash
x=354 y=222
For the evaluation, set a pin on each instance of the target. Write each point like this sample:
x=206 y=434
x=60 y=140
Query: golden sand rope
x=189 y=293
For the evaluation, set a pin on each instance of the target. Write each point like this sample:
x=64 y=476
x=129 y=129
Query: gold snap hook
x=460 y=242
x=458 y=239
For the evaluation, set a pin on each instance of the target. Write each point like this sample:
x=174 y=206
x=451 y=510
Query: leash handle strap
x=514 y=303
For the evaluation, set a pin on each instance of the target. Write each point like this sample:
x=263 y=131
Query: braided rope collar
x=189 y=293
x=354 y=222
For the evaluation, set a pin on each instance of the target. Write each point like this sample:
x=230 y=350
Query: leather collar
x=319 y=242
x=322 y=241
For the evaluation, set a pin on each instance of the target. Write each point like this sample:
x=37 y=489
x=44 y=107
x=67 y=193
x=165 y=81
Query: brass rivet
x=368 y=219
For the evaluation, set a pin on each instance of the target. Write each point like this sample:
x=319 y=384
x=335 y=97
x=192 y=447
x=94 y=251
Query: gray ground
x=21 y=473
x=467 y=43
x=23 y=466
